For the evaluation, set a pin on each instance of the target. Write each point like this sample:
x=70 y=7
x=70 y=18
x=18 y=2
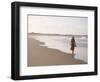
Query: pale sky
x=58 y=24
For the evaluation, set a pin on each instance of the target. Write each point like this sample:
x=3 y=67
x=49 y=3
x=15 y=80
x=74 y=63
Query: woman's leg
x=73 y=52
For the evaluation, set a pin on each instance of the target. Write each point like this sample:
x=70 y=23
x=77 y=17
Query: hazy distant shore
x=48 y=34
x=44 y=56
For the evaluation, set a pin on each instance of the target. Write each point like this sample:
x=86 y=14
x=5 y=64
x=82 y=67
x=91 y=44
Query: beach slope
x=44 y=56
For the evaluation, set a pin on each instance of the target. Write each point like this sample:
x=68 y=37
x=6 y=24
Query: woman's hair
x=73 y=38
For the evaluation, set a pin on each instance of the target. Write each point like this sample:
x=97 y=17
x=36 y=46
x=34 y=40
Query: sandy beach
x=44 y=56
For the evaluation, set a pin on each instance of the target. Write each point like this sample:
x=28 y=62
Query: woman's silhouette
x=73 y=44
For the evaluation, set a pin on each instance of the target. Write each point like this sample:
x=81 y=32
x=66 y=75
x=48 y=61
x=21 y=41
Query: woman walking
x=73 y=44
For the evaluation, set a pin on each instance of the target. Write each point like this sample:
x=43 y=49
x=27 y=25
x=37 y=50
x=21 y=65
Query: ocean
x=62 y=43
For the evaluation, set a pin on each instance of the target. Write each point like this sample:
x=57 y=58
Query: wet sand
x=44 y=56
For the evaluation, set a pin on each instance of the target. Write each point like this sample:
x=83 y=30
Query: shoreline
x=44 y=56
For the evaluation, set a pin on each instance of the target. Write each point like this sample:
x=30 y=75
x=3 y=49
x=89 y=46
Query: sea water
x=62 y=43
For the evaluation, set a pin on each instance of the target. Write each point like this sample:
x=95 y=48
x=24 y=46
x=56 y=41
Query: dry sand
x=44 y=56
